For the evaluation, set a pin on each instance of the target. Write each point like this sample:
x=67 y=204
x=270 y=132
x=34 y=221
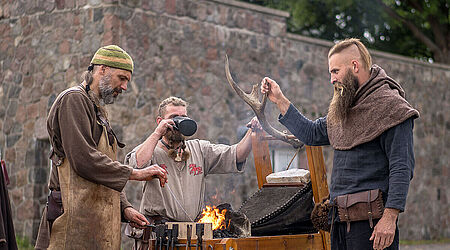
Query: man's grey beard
x=106 y=91
x=343 y=98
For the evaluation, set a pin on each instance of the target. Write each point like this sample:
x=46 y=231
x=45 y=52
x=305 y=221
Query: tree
x=416 y=28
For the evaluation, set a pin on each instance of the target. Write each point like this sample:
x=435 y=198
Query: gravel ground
x=442 y=246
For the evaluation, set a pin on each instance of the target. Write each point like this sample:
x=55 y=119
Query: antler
x=252 y=99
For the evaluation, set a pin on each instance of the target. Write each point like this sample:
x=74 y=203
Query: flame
x=214 y=216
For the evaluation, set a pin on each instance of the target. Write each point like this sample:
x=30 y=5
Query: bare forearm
x=145 y=152
x=283 y=104
x=244 y=147
x=391 y=213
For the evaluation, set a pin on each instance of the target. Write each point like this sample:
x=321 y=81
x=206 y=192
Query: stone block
x=48 y=6
x=28 y=129
x=12 y=108
x=16 y=195
x=21 y=178
x=10 y=154
x=32 y=110
x=94 y=2
x=133 y=3
x=171 y=6
x=27 y=210
x=47 y=88
x=21 y=114
x=64 y=47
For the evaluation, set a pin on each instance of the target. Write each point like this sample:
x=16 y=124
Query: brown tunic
x=75 y=133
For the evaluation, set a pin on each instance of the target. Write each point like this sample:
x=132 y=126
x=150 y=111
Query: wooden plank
x=319 y=183
x=287 y=242
x=318 y=172
x=261 y=154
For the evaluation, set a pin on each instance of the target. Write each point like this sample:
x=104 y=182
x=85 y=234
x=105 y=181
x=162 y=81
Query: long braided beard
x=343 y=98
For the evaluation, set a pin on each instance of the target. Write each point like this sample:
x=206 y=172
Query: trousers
x=358 y=237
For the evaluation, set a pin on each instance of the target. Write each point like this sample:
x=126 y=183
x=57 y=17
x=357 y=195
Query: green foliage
x=23 y=243
x=425 y=242
x=370 y=21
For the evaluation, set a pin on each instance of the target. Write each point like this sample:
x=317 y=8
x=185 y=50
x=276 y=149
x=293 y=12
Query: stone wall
x=179 y=48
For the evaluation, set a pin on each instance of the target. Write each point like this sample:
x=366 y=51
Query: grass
x=23 y=243
x=424 y=242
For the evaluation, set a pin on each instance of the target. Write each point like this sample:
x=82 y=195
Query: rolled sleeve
x=130 y=158
x=220 y=158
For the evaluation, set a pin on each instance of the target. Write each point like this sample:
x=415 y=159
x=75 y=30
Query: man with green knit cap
x=86 y=202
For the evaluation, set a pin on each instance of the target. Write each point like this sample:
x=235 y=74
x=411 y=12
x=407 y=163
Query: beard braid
x=175 y=137
x=343 y=98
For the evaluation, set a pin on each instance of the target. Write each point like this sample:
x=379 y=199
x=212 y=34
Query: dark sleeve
x=76 y=121
x=124 y=203
x=313 y=133
x=398 y=146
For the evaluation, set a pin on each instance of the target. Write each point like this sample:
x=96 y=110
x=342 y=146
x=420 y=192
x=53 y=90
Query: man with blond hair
x=187 y=163
x=370 y=127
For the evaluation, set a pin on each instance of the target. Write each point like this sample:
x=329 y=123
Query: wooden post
x=261 y=154
x=319 y=182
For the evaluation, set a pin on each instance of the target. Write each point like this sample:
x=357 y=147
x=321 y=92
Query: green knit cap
x=113 y=56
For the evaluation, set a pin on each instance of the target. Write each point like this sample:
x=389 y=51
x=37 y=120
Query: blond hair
x=363 y=52
x=175 y=101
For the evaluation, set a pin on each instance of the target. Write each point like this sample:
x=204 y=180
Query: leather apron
x=91 y=218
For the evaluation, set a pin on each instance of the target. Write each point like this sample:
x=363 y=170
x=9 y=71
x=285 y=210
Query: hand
x=274 y=94
x=254 y=124
x=163 y=126
x=272 y=89
x=135 y=218
x=149 y=173
x=384 y=232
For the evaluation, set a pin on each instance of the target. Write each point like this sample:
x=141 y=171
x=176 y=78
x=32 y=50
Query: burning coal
x=226 y=223
x=215 y=216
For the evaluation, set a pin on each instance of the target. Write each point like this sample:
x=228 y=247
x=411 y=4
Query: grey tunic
x=185 y=179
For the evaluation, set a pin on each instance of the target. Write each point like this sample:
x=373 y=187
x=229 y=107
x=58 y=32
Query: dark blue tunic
x=387 y=162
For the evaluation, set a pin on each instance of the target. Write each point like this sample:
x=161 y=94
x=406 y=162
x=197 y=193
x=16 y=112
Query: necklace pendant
x=178 y=158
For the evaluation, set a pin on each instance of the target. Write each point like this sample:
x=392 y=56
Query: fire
x=214 y=216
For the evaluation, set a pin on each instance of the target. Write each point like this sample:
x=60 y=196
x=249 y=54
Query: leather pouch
x=366 y=205
x=54 y=205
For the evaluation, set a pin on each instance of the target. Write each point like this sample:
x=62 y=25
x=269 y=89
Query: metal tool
x=200 y=230
x=178 y=202
x=188 y=238
x=174 y=239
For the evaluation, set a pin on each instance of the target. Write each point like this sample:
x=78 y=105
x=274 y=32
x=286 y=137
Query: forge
x=236 y=224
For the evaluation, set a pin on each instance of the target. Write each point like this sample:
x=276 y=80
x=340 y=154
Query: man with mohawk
x=370 y=127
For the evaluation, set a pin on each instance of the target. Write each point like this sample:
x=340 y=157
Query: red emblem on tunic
x=194 y=170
